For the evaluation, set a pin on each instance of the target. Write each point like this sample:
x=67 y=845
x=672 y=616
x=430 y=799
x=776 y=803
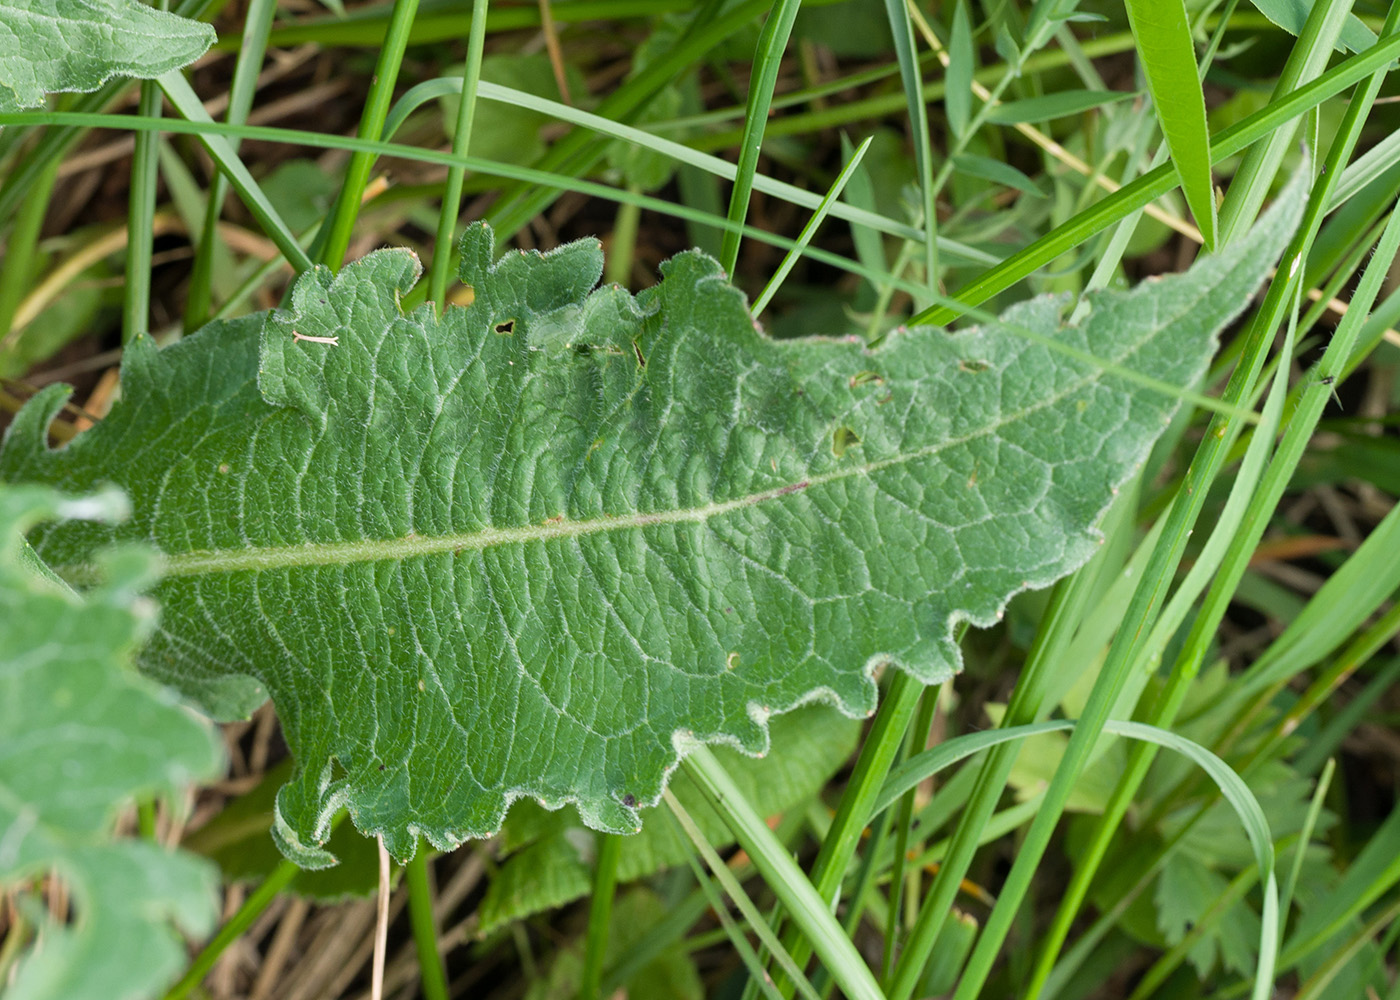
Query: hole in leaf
x=867 y=378
x=505 y=328
x=637 y=350
x=842 y=439
x=972 y=367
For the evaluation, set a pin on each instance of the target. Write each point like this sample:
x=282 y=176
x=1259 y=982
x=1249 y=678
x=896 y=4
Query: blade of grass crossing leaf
x=276 y=229
x=1168 y=59
x=573 y=155
x=183 y=98
x=257 y=25
x=1146 y=600
x=1223 y=541
x=911 y=76
x=1158 y=182
x=461 y=142
x=957 y=101
x=136 y=299
x=595 y=946
x=768 y=57
x=55 y=142
x=808 y=909
x=809 y=230
x=1070 y=603
x=853 y=812
x=432 y=974
x=860 y=193
x=903 y=830
x=1232 y=543
x=736 y=892
x=381 y=94
x=1252 y=181
x=718 y=166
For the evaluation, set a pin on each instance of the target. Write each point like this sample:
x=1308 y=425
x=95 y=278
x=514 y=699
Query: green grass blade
x=809 y=230
x=20 y=244
x=1158 y=182
x=716 y=165
x=768 y=57
x=911 y=76
x=461 y=142
x=432 y=973
x=741 y=899
x=183 y=98
x=807 y=908
x=1250 y=185
x=759 y=980
x=1168 y=59
x=386 y=73
x=256 y=27
x=600 y=906
x=877 y=754
x=145 y=164
x=957 y=101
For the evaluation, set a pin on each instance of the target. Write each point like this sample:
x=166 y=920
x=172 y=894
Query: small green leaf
x=81 y=734
x=546 y=544
x=48 y=46
x=1163 y=35
x=1291 y=15
x=997 y=172
x=962 y=64
x=1057 y=105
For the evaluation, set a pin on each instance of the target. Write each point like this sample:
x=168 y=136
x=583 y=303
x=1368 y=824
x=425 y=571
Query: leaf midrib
x=218 y=561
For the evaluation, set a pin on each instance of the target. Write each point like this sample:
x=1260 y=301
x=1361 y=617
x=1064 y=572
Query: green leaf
x=545 y=545
x=997 y=172
x=1291 y=15
x=1163 y=36
x=552 y=855
x=47 y=46
x=81 y=734
x=962 y=64
x=1057 y=105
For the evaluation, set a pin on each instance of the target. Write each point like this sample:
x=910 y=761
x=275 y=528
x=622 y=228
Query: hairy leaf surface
x=47 y=46
x=539 y=546
x=81 y=734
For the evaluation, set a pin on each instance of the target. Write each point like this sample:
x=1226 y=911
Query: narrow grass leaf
x=996 y=171
x=957 y=100
x=772 y=43
x=809 y=230
x=1168 y=58
x=1060 y=104
x=183 y=98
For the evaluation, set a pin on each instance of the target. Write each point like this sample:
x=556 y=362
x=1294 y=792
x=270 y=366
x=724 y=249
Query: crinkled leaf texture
x=540 y=546
x=48 y=46
x=81 y=733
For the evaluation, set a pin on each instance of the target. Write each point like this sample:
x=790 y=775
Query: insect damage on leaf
x=513 y=567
